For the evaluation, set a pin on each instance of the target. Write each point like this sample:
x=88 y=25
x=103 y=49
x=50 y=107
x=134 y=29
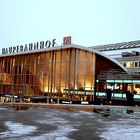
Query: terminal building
x=128 y=55
x=70 y=72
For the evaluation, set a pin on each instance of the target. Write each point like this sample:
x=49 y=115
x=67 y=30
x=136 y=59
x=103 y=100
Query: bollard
x=48 y=98
x=58 y=100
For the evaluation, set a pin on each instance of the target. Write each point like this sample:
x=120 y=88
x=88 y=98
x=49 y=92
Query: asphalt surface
x=51 y=124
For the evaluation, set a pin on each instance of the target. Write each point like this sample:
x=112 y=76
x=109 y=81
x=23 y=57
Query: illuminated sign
x=29 y=47
x=67 y=40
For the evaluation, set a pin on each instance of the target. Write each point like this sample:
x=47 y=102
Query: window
x=130 y=64
x=136 y=64
x=139 y=64
x=124 y=64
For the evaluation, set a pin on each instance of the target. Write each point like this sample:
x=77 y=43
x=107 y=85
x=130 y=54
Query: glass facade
x=66 y=73
x=118 y=88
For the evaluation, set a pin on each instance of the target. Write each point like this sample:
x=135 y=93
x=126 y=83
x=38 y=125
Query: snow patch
x=59 y=134
x=16 y=129
x=1 y=108
x=63 y=129
x=121 y=130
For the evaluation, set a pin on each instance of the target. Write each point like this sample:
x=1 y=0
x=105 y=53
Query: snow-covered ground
x=16 y=129
x=125 y=128
x=44 y=124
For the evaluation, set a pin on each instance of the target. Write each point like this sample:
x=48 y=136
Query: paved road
x=49 y=124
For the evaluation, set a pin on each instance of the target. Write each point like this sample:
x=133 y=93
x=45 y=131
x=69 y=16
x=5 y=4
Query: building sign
x=67 y=40
x=29 y=47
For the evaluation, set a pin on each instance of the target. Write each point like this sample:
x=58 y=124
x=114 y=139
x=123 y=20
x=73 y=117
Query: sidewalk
x=70 y=107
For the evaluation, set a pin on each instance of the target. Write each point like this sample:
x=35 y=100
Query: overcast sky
x=89 y=22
